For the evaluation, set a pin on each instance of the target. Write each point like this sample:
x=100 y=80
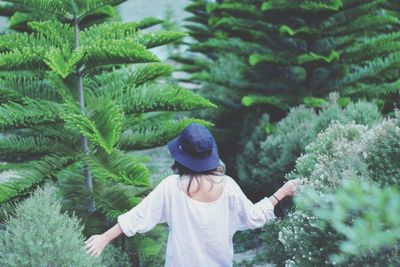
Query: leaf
x=101 y=123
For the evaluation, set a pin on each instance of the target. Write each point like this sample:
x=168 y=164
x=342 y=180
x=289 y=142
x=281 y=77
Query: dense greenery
x=80 y=90
x=305 y=89
x=343 y=153
x=39 y=235
x=266 y=158
x=256 y=56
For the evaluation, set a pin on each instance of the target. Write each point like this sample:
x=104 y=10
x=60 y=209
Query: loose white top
x=200 y=233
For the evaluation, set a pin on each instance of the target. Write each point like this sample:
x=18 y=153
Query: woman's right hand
x=289 y=188
x=95 y=244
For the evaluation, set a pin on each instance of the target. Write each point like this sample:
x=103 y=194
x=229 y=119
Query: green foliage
x=39 y=235
x=266 y=158
x=285 y=53
x=368 y=228
x=115 y=97
x=79 y=91
x=340 y=154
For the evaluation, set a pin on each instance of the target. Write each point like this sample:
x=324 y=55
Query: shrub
x=266 y=159
x=369 y=230
x=38 y=235
x=341 y=153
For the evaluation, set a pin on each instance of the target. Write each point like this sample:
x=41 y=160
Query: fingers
x=89 y=239
x=91 y=249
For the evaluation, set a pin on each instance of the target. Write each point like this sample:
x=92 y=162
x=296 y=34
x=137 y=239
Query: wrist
x=106 y=237
x=280 y=194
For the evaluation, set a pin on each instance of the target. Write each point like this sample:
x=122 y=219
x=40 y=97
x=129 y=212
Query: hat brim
x=193 y=163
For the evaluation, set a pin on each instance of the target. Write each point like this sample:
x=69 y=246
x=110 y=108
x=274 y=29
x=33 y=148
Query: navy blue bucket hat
x=195 y=148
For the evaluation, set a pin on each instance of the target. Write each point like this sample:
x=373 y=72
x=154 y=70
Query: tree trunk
x=84 y=141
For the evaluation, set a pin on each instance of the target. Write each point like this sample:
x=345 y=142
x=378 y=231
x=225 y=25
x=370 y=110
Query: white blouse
x=200 y=233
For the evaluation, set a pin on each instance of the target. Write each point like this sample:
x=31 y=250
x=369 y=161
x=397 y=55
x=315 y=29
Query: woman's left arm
x=96 y=243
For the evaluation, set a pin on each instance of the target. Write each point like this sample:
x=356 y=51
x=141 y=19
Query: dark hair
x=181 y=170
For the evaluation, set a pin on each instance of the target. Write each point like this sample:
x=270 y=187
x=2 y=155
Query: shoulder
x=232 y=186
x=169 y=181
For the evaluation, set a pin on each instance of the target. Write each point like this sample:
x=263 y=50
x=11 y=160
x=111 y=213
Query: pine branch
x=30 y=174
x=101 y=124
x=141 y=137
x=108 y=31
x=100 y=53
x=118 y=167
x=27 y=147
x=62 y=9
x=27 y=85
x=113 y=199
x=87 y=6
x=125 y=77
x=31 y=113
x=153 y=97
x=154 y=39
x=148 y=22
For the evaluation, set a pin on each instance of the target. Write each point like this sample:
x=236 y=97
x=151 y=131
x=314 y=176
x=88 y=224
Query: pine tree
x=268 y=56
x=80 y=91
x=296 y=50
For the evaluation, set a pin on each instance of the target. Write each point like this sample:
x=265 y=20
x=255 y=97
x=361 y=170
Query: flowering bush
x=266 y=159
x=366 y=217
x=341 y=153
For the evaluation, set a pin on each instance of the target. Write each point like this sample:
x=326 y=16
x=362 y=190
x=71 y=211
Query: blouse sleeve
x=149 y=212
x=250 y=215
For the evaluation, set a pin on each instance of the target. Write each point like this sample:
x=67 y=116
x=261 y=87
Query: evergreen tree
x=268 y=56
x=78 y=93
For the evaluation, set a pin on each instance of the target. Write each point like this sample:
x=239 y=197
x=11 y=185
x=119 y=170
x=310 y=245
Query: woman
x=202 y=206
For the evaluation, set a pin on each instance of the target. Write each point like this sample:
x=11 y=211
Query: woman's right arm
x=288 y=189
x=251 y=216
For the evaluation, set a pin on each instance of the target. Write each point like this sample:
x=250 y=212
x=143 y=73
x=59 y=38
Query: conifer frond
x=365 y=47
x=153 y=97
x=31 y=173
x=27 y=147
x=9 y=96
x=108 y=31
x=57 y=33
x=25 y=59
x=100 y=53
x=19 y=41
x=278 y=101
x=101 y=124
x=363 y=23
x=346 y=15
x=125 y=77
x=29 y=86
x=148 y=22
x=113 y=199
x=104 y=14
x=305 y=5
x=372 y=89
x=147 y=247
x=32 y=112
x=370 y=68
x=61 y=8
x=85 y=7
x=119 y=167
x=153 y=39
x=63 y=89
x=242 y=9
x=140 y=136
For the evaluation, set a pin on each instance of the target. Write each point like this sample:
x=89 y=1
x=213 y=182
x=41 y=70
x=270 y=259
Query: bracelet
x=276 y=198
